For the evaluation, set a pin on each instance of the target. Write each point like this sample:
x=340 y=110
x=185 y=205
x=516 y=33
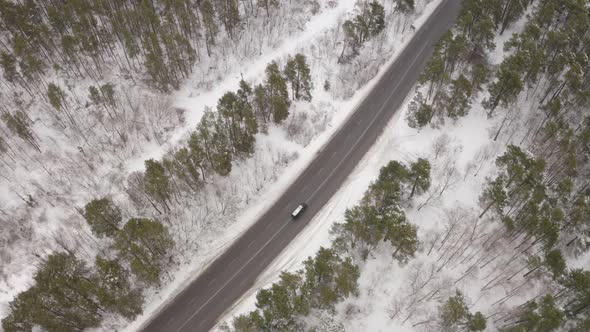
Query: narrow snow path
x=194 y=102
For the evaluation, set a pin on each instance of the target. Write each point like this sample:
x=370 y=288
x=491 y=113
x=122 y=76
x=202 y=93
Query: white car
x=299 y=210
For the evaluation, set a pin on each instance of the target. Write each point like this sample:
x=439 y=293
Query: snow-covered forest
x=471 y=212
x=135 y=136
x=138 y=139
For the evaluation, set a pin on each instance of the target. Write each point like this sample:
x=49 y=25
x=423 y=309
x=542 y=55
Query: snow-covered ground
x=294 y=150
x=399 y=142
x=458 y=250
x=40 y=191
x=194 y=101
x=316 y=234
x=281 y=154
x=386 y=287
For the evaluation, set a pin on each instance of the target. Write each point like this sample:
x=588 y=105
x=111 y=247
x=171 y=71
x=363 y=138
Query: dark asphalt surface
x=201 y=304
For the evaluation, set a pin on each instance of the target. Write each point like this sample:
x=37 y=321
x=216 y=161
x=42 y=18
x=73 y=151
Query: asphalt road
x=201 y=304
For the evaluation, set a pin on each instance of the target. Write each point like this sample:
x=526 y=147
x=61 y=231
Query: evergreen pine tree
x=157 y=183
x=56 y=96
x=114 y=291
x=368 y=23
x=420 y=175
x=8 y=63
x=459 y=101
x=494 y=195
x=505 y=89
x=298 y=74
x=186 y=167
x=454 y=314
x=103 y=216
x=229 y=14
x=208 y=16
x=145 y=244
x=20 y=125
x=22 y=312
x=215 y=143
x=276 y=91
x=196 y=154
x=555 y=262
x=261 y=103
x=543 y=316
x=62 y=298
